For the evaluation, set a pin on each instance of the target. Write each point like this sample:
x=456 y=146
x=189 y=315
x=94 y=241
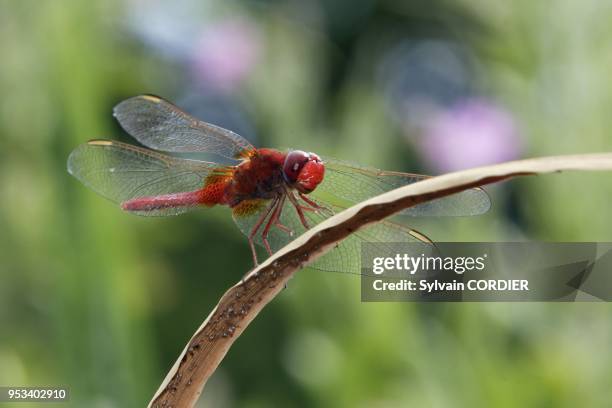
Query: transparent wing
x=346 y=184
x=160 y=125
x=122 y=172
x=346 y=256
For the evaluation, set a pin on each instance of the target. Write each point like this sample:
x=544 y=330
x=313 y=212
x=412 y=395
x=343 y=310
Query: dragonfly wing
x=345 y=257
x=160 y=125
x=122 y=172
x=348 y=184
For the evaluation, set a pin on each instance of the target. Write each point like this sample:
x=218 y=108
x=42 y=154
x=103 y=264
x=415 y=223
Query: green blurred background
x=103 y=302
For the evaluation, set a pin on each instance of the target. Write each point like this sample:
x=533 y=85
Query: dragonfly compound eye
x=294 y=163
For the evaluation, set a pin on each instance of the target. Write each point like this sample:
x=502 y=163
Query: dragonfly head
x=304 y=171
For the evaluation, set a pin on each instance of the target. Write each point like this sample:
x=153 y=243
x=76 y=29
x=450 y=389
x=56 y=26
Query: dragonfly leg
x=281 y=226
x=284 y=228
x=277 y=222
x=253 y=251
x=299 y=208
x=278 y=207
x=314 y=204
x=256 y=228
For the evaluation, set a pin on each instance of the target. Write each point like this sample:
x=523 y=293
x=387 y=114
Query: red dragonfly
x=273 y=194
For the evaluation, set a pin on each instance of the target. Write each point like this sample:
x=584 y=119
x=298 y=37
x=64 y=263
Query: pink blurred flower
x=226 y=54
x=472 y=133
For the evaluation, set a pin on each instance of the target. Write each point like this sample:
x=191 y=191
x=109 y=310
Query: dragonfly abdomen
x=161 y=202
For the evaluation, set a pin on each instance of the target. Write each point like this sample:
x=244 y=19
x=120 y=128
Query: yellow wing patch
x=249 y=207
